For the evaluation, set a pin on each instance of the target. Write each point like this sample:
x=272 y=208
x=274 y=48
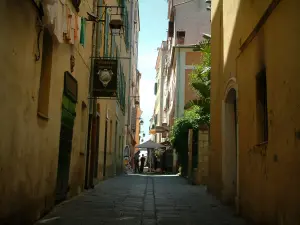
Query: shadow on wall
x=267 y=177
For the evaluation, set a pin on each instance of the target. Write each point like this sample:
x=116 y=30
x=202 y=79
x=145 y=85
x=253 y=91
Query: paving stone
x=143 y=200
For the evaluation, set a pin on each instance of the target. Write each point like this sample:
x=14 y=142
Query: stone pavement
x=143 y=200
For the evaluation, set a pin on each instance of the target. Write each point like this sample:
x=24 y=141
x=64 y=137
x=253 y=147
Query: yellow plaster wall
x=269 y=174
x=28 y=144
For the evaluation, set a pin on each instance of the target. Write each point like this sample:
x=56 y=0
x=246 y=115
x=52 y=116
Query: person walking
x=136 y=163
x=142 y=164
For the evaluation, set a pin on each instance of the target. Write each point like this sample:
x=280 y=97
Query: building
x=254 y=157
x=44 y=112
x=107 y=157
x=112 y=112
x=138 y=119
x=188 y=21
x=133 y=81
x=187 y=24
x=63 y=120
x=159 y=92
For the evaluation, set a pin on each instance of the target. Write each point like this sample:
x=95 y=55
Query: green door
x=65 y=147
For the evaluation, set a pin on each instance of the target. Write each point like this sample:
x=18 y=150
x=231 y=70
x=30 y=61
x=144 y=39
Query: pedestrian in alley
x=142 y=164
x=136 y=163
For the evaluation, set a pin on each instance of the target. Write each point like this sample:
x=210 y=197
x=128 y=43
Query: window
x=45 y=79
x=171 y=29
x=107 y=33
x=180 y=37
x=155 y=88
x=262 y=107
x=113 y=47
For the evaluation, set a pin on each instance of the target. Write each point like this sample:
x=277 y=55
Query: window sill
x=42 y=116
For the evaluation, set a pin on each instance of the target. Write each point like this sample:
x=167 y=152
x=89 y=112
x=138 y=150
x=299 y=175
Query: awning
x=150 y=144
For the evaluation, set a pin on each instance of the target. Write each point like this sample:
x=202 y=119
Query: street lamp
x=116 y=25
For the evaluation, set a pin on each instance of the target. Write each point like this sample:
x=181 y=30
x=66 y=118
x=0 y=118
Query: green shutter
x=82 y=32
x=124 y=93
x=126 y=29
x=106 y=35
x=113 y=47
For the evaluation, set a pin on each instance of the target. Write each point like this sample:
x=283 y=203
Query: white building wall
x=193 y=18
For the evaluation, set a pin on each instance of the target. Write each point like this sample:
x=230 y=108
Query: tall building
x=159 y=91
x=44 y=92
x=64 y=87
x=133 y=81
x=188 y=22
x=255 y=157
x=138 y=111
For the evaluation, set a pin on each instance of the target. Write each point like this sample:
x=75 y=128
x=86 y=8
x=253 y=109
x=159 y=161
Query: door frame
x=230 y=195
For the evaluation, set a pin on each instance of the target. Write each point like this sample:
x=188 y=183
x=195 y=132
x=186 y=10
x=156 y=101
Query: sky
x=153 y=30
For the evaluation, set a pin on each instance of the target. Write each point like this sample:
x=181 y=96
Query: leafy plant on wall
x=197 y=111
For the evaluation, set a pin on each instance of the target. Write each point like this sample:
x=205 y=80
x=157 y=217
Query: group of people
x=139 y=168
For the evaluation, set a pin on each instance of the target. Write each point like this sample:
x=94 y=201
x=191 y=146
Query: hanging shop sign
x=105 y=78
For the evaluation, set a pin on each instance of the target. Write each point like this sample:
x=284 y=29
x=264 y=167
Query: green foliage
x=197 y=111
x=191 y=120
x=179 y=133
x=200 y=81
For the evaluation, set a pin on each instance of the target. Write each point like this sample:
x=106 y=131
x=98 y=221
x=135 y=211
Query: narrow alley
x=142 y=199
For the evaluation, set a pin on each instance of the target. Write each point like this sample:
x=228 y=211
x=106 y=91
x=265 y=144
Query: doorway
x=115 y=159
x=97 y=147
x=68 y=115
x=105 y=149
x=229 y=155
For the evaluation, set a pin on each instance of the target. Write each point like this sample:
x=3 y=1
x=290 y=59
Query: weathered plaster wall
x=29 y=145
x=268 y=177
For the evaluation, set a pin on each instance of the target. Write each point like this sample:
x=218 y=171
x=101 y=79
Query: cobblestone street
x=141 y=199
